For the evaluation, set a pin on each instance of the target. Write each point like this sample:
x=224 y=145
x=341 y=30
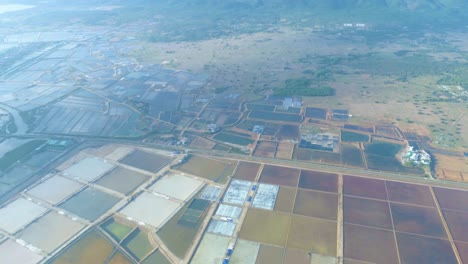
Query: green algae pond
x=137 y=244
x=117 y=230
x=156 y=258
x=177 y=237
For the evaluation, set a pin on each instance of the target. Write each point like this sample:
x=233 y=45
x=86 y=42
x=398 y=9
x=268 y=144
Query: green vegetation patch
x=302 y=87
x=20 y=153
x=347 y=136
x=458 y=76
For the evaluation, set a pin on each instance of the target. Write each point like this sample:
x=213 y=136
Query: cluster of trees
x=456 y=77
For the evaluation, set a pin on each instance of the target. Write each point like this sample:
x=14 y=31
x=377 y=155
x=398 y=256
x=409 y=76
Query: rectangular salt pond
x=156 y=258
x=145 y=161
x=369 y=244
x=116 y=229
x=312 y=235
x=211 y=249
x=50 y=231
x=122 y=180
x=137 y=244
x=265 y=196
x=55 y=189
x=237 y=192
x=88 y=169
x=221 y=227
x=211 y=193
x=177 y=186
x=247 y=171
x=270 y=255
x=245 y=252
x=19 y=213
x=119 y=153
x=90 y=248
x=90 y=203
x=150 y=209
x=229 y=211
x=14 y=253
x=280 y=176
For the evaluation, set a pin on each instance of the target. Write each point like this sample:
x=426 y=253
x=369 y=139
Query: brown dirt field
x=465 y=176
x=369 y=244
x=463 y=251
x=452 y=163
x=450 y=175
x=265 y=149
x=263 y=154
x=204 y=167
x=202 y=143
x=351 y=261
x=280 y=175
x=316 y=204
x=449 y=167
x=258 y=226
x=247 y=171
x=285 y=199
x=270 y=255
x=414 y=128
x=285 y=150
x=296 y=256
x=313 y=235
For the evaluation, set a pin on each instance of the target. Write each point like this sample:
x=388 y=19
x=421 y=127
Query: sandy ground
x=452 y=168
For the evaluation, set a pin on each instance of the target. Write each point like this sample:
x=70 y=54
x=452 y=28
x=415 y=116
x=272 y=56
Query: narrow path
x=447 y=230
x=340 y=222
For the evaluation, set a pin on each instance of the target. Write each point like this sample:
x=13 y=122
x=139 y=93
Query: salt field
x=88 y=169
x=229 y=211
x=156 y=214
x=90 y=203
x=211 y=193
x=55 y=189
x=122 y=180
x=237 y=192
x=14 y=253
x=211 y=249
x=19 y=213
x=265 y=196
x=145 y=161
x=221 y=227
x=245 y=252
x=50 y=231
x=288 y=210
x=177 y=186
